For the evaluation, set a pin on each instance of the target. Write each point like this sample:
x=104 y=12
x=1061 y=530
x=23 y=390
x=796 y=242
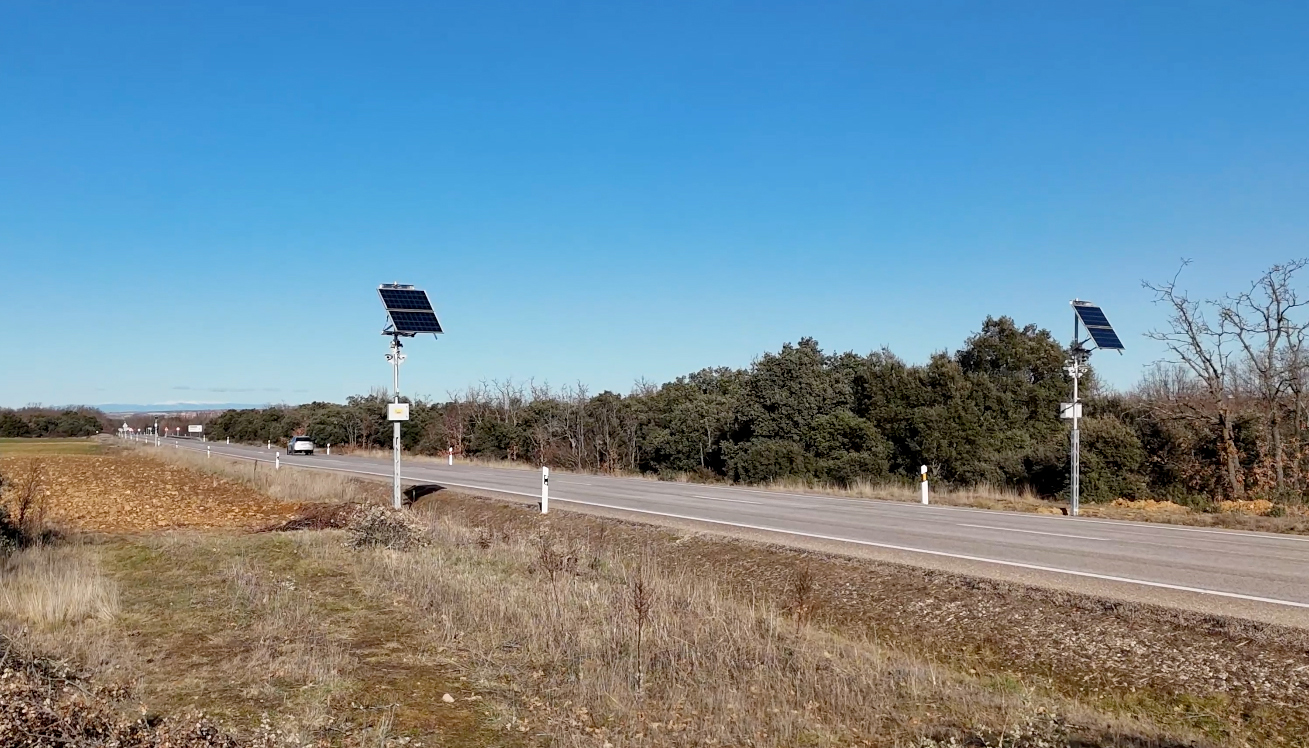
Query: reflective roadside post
x=545 y=490
x=924 y=482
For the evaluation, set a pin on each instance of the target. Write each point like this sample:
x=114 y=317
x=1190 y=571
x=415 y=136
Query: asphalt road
x=1257 y=575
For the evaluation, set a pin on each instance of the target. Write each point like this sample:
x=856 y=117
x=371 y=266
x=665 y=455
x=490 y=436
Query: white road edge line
x=1035 y=532
x=907 y=549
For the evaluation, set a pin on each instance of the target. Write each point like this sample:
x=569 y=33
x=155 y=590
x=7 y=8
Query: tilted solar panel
x=415 y=322
x=1092 y=316
x=1105 y=338
x=405 y=298
x=1098 y=326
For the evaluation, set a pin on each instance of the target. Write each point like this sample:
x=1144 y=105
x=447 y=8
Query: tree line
x=987 y=413
x=41 y=422
x=1224 y=416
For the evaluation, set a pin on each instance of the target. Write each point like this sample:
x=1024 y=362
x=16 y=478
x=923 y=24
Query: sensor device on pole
x=409 y=314
x=1085 y=314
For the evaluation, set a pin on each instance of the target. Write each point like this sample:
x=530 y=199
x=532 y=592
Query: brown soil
x=132 y=493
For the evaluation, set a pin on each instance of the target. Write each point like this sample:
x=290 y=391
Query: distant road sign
x=397 y=411
x=194 y=429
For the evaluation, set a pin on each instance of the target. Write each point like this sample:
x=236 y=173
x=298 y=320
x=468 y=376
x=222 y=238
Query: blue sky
x=197 y=201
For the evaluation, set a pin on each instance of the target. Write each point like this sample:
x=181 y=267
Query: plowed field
x=131 y=493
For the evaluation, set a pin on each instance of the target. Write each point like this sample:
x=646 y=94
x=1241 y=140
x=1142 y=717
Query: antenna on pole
x=410 y=314
x=1085 y=314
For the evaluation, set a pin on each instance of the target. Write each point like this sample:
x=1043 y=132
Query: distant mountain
x=129 y=408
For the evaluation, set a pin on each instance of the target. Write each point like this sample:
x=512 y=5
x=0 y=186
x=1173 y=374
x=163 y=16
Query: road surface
x=1262 y=576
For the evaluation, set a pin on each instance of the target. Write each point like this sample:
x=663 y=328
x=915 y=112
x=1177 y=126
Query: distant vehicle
x=300 y=445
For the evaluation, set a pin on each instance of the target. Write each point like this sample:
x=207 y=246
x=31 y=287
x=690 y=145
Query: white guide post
x=207 y=455
x=329 y=449
x=451 y=457
x=924 y=482
x=545 y=490
x=277 y=461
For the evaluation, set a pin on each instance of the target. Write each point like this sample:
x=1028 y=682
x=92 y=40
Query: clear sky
x=198 y=200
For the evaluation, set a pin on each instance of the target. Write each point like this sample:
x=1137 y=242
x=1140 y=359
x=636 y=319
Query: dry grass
x=1232 y=679
x=981 y=496
x=29 y=447
x=24 y=500
x=270 y=628
x=584 y=643
x=49 y=587
x=285 y=484
x=578 y=631
x=45 y=702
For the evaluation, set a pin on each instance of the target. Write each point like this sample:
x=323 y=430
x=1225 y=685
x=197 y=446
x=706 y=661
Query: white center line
x=719 y=498
x=1032 y=532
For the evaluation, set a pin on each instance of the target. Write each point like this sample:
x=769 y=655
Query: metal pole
x=395 y=426
x=1076 y=447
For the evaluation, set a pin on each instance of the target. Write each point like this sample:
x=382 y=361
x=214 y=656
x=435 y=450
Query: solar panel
x=410 y=311
x=415 y=322
x=405 y=298
x=1098 y=326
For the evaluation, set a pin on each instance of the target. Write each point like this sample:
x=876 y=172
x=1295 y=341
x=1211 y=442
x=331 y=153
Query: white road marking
x=719 y=498
x=1035 y=532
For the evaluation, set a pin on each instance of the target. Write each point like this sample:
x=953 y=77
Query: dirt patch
x=317 y=517
x=1147 y=506
x=1256 y=507
x=130 y=493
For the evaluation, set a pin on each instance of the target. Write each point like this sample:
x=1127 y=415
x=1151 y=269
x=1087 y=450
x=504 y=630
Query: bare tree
x=577 y=399
x=1204 y=348
x=1262 y=319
